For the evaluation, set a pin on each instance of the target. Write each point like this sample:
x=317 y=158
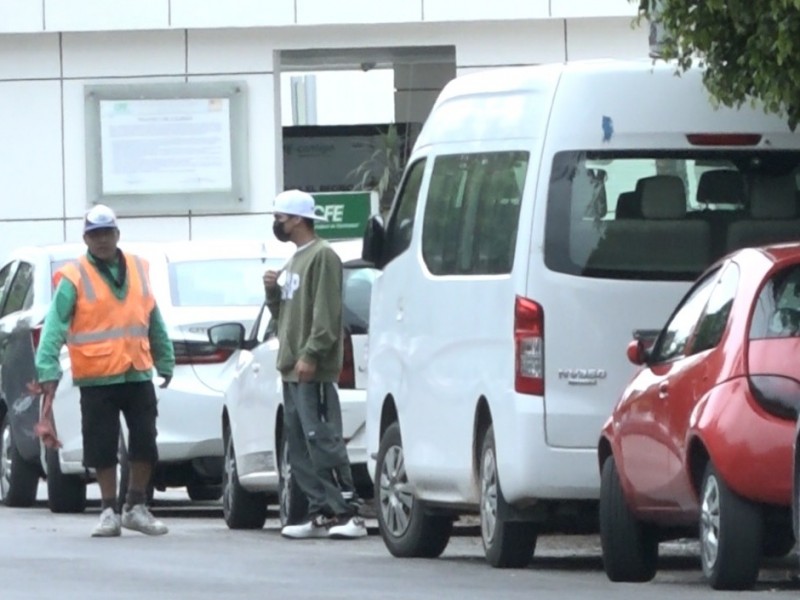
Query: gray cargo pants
x=317 y=454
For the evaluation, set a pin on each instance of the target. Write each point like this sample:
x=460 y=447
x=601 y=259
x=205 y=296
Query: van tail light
x=723 y=139
x=529 y=347
x=199 y=353
x=36 y=336
x=347 y=378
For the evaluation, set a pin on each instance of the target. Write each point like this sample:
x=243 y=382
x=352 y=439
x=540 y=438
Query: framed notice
x=167 y=147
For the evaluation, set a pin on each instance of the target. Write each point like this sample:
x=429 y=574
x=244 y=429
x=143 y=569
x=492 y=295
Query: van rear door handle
x=663 y=390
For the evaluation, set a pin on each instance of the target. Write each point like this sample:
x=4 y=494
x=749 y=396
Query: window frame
x=394 y=246
x=707 y=281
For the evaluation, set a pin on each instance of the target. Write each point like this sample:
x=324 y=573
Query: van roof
x=644 y=103
x=507 y=79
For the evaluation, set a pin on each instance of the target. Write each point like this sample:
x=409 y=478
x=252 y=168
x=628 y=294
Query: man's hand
x=271 y=279
x=167 y=379
x=49 y=387
x=305 y=370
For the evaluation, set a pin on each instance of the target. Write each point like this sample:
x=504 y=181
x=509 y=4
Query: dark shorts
x=100 y=411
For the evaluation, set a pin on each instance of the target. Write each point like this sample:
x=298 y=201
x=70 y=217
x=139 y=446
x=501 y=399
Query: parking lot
x=47 y=555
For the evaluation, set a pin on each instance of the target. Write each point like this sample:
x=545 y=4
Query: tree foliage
x=749 y=48
x=383 y=169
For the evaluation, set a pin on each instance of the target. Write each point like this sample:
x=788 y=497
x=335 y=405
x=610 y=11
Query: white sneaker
x=352 y=529
x=109 y=525
x=142 y=520
x=316 y=528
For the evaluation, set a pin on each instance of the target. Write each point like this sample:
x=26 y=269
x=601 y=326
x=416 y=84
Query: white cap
x=298 y=204
x=99 y=217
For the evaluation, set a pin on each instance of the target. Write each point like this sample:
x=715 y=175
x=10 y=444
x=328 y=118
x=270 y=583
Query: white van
x=547 y=214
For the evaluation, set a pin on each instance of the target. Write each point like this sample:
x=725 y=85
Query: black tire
x=506 y=544
x=406 y=529
x=19 y=479
x=241 y=509
x=630 y=547
x=199 y=492
x=65 y=493
x=731 y=535
x=292 y=502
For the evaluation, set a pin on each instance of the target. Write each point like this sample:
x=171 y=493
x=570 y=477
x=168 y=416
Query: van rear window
x=666 y=215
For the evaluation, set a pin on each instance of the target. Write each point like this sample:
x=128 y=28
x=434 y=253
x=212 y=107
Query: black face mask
x=280 y=232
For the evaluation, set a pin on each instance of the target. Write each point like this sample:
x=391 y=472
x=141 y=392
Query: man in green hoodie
x=308 y=308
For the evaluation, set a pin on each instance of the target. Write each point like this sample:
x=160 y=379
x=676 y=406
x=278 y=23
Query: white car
x=256 y=471
x=195 y=284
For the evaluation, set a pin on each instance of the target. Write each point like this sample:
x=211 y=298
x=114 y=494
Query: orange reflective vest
x=109 y=336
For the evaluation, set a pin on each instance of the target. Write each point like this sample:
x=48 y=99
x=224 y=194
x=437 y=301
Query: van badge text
x=582 y=376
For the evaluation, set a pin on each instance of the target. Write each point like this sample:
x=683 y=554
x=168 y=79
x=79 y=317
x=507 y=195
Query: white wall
x=42 y=151
x=19 y=16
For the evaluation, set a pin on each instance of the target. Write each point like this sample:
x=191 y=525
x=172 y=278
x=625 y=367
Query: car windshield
x=219 y=282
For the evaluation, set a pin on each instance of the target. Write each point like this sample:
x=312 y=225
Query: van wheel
x=241 y=508
x=731 y=535
x=630 y=547
x=405 y=528
x=19 y=479
x=292 y=502
x=65 y=493
x=507 y=544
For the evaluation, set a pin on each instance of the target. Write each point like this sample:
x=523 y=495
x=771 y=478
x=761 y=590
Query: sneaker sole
x=105 y=534
x=345 y=536
x=145 y=532
x=305 y=537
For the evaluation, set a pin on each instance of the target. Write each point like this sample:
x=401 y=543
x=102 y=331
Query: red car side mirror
x=636 y=352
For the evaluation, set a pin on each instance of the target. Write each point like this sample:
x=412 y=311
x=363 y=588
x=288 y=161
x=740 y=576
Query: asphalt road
x=47 y=556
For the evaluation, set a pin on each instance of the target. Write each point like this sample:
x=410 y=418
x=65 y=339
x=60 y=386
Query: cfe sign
x=347 y=213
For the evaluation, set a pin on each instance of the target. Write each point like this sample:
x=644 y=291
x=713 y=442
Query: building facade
x=53 y=52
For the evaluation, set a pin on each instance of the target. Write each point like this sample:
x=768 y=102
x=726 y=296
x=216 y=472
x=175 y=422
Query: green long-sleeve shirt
x=309 y=311
x=56 y=326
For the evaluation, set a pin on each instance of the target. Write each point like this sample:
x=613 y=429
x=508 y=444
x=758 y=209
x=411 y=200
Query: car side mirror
x=372 y=249
x=637 y=353
x=227 y=335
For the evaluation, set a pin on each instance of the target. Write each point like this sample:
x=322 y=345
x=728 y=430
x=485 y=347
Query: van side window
x=472 y=213
x=401 y=221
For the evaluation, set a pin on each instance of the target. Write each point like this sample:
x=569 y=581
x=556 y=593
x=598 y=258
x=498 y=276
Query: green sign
x=347 y=213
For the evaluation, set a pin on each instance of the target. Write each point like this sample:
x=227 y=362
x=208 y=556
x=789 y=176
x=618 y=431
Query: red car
x=701 y=442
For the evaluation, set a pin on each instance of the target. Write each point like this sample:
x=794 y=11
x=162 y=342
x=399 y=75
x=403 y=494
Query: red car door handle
x=663 y=390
